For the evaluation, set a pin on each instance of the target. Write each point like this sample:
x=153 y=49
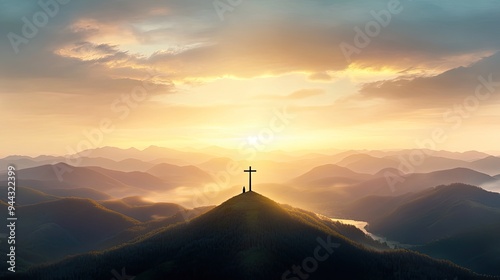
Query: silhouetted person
x=243 y=189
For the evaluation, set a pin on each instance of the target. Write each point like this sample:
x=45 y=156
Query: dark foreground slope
x=478 y=249
x=250 y=237
x=50 y=230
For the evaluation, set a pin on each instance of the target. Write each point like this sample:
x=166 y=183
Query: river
x=362 y=226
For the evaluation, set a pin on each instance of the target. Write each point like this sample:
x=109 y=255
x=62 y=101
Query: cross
x=249 y=170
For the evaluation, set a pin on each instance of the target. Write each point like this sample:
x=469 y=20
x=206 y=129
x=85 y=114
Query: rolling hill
x=364 y=163
x=465 y=156
x=215 y=164
x=434 y=163
x=180 y=175
x=438 y=213
x=125 y=165
x=26 y=196
x=250 y=237
x=367 y=163
x=373 y=207
x=329 y=174
x=150 y=153
x=489 y=165
x=137 y=179
x=53 y=229
x=100 y=183
x=78 y=192
x=416 y=182
x=62 y=175
x=142 y=211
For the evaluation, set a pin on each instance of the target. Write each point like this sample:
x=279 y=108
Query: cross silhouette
x=249 y=170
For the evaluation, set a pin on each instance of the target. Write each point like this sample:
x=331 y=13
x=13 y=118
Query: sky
x=275 y=74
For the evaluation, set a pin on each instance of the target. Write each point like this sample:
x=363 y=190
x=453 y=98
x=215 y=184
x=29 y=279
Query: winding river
x=362 y=226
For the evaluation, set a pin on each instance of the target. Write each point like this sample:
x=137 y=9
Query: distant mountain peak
x=62 y=164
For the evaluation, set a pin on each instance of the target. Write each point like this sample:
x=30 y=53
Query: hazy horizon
x=189 y=173
x=326 y=151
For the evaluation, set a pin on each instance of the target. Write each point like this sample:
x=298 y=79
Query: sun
x=253 y=140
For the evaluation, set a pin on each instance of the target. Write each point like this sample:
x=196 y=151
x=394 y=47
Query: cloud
x=188 y=40
x=265 y=48
x=441 y=90
x=93 y=52
x=296 y=95
x=320 y=76
x=305 y=93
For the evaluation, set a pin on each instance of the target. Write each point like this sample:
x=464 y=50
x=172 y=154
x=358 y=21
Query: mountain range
x=249 y=237
x=115 y=204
